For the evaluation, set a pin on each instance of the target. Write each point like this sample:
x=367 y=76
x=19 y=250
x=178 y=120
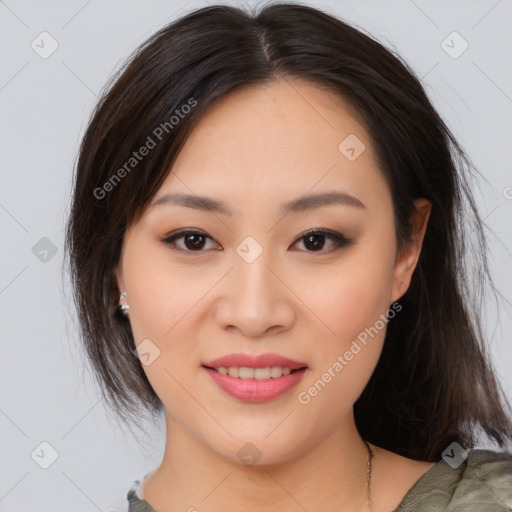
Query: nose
x=256 y=300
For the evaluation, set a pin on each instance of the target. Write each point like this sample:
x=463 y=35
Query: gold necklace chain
x=368 y=472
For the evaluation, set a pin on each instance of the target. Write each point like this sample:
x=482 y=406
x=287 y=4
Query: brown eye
x=193 y=241
x=315 y=240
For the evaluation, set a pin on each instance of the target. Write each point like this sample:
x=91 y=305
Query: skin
x=257 y=148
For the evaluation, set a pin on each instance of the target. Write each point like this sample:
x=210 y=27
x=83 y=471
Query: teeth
x=243 y=372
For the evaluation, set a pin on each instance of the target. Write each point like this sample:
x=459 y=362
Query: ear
x=408 y=258
x=119 y=279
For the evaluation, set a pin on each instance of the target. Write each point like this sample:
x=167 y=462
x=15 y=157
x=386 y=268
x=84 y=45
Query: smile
x=255 y=384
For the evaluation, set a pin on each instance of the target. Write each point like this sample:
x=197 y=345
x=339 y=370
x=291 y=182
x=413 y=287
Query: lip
x=255 y=361
x=254 y=390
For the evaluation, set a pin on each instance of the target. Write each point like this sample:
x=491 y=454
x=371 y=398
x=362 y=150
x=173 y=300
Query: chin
x=256 y=448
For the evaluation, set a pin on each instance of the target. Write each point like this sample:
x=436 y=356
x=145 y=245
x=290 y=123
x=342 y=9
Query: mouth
x=255 y=385
x=245 y=372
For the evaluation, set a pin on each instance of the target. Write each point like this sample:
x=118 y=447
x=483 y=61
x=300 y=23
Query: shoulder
x=134 y=502
x=483 y=478
x=486 y=479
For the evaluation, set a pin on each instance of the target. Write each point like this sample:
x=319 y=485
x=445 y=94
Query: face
x=252 y=279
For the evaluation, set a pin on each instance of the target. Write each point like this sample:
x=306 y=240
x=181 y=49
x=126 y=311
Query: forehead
x=279 y=115
x=276 y=141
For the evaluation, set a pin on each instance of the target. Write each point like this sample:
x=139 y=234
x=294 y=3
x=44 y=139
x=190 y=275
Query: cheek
x=351 y=297
x=160 y=299
x=161 y=309
x=349 y=351
x=351 y=302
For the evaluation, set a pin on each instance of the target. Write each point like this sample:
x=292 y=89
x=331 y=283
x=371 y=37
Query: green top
x=481 y=483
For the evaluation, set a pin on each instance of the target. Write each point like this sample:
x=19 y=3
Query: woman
x=267 y=244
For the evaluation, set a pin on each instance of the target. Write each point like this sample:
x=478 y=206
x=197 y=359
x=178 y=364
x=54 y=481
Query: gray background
x=46 y=391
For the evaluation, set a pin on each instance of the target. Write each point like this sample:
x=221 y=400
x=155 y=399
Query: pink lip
x=254 y=390
x=255 y=361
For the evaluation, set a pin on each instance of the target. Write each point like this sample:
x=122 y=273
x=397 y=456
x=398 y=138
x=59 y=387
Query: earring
x=123 y=307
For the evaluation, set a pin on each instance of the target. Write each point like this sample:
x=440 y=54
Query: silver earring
x=123 y=307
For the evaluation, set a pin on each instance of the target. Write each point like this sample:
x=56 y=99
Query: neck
x=330 y=475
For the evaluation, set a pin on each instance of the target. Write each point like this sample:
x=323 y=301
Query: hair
x=434 y=383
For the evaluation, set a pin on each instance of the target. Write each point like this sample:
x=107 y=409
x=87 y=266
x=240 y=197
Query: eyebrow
x=301 y=204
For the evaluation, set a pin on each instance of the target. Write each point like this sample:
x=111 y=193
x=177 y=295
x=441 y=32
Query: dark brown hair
x=434 y=383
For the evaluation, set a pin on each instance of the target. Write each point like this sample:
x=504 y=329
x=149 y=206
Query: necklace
x=368 y=472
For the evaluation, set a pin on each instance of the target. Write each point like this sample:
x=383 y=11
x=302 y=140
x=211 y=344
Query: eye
x=314 y=240
x=194 y=241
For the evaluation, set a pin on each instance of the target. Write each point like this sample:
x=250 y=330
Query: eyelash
x=341 y=240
